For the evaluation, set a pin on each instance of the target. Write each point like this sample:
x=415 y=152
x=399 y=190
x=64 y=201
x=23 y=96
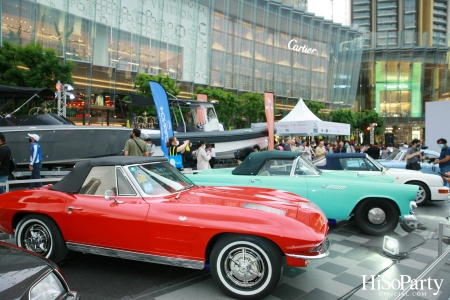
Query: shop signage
x=308 y=127
x=397 y=78
x=292 y=45
x=400 y=86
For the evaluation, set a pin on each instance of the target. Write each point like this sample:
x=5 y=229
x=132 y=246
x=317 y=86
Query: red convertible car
x=143 y=209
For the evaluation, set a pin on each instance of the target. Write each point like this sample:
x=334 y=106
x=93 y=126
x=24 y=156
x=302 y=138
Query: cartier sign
x=292 y=45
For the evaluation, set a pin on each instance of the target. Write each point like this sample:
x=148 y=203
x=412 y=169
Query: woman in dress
x=212 y=150
x=203 y=157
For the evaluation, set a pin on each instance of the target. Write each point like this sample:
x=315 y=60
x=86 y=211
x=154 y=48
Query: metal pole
x=440 y=238
x=59 y=102
x=64 y=102
x=429 y=272
x=372 y=134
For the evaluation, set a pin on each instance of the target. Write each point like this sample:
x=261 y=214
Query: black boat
x=63 y=143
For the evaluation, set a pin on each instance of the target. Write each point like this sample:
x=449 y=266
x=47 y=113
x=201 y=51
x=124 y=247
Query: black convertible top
x=73 y=181
x=333 y=160
x=253 y=162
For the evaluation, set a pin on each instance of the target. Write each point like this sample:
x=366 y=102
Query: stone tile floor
x=353 y=255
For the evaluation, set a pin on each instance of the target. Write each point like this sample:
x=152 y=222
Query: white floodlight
x=391 y=245
x=68 y=87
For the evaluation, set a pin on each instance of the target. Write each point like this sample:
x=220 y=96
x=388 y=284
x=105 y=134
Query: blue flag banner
x=162 y=109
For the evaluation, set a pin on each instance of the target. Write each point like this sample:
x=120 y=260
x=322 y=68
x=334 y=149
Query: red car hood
x=268 y=200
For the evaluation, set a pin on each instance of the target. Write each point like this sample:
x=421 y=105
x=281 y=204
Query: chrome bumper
x=411 y=219
x=322 y=253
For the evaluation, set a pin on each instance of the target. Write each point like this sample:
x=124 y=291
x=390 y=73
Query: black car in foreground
x=26 y=275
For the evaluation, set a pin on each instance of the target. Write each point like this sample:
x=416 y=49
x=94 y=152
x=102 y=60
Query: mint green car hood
x=337 y=193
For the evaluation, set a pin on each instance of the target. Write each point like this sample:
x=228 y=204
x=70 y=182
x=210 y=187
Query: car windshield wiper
x=183 y=189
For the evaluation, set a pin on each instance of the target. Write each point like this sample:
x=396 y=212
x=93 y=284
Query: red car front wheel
x=246 y=267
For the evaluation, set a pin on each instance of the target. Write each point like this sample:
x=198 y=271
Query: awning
x=17 y=92
x=140 y=101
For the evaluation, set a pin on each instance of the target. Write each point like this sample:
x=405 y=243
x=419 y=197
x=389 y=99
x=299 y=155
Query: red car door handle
x=70 y=208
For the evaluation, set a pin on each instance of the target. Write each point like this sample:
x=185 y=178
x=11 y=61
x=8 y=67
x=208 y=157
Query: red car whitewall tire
x=41 y=235
x=246 y=267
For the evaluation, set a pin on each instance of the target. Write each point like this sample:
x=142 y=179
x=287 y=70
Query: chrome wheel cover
x=421 y=195
x=37 y=238
x=244 y=267
x=376 y=216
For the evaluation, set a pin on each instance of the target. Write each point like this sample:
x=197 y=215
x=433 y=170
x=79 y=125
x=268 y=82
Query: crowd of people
x=181 y=154
x=314 y=151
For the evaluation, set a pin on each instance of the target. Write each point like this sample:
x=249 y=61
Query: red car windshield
x=159 y=179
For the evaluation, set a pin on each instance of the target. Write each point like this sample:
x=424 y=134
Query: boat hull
x=66 y=144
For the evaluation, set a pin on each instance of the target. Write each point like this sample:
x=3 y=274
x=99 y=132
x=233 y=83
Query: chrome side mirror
x=109 y=196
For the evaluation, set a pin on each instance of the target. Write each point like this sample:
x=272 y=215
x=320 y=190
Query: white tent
x=302 y=121
x=300 y=112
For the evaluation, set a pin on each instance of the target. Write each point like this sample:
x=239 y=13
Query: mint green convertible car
x=375 y=203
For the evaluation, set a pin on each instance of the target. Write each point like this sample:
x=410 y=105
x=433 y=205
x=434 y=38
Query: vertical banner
x=269 y=107
x=200 y=110
x=162 y=109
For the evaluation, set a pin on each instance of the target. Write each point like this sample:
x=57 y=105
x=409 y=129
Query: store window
x=395 y=104
x=78 y=39
x=17 y=22
x=50 y=28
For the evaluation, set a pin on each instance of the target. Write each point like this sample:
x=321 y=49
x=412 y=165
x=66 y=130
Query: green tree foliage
x=346 y=116
x=316 y=107
x=252 y=108
x=364 y=119
x=32 y=66
x=228 y=104
x=142 y=86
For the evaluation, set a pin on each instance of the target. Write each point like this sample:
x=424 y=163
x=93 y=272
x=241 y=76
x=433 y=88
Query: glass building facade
x=405 y=61
x=238 y=45
x=397 y=82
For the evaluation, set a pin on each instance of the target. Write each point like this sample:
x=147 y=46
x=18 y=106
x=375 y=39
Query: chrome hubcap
x=376 y=216
x=244 y=267
x=420 y=194
x=37 y=239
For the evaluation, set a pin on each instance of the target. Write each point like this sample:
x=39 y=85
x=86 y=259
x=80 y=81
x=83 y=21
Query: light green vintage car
x=376 y=203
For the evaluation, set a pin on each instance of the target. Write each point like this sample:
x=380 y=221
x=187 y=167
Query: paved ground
x=353 y=255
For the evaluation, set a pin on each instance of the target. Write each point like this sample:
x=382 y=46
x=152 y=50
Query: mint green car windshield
x=377 y=164
x=305 y=167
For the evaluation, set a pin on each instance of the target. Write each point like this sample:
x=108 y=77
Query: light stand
x=64 y=91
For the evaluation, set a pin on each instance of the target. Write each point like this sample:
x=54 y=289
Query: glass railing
x=440 y=12
x=439 y=4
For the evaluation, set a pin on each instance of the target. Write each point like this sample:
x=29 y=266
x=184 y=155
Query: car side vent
x=336 y=187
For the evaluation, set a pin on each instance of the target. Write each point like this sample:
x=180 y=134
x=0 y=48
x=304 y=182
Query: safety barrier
x=9 y=182
x=435 y=266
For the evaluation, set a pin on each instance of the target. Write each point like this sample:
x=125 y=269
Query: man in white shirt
x=150 y=146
